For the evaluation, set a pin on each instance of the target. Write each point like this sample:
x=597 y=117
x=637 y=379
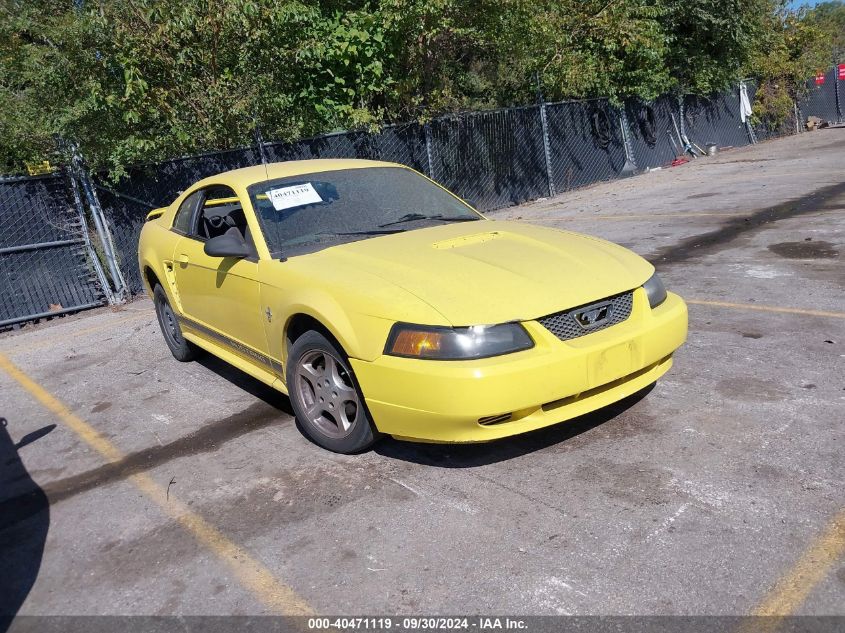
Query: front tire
x=325 y=396
x=181 y=349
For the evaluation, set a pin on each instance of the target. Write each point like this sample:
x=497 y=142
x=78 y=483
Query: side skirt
x=256 y=364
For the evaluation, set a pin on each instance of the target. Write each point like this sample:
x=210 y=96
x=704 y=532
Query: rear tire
x=181 y=349
x=325 y=396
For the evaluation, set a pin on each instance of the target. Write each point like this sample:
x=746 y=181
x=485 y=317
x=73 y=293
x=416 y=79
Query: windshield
x=306 y=213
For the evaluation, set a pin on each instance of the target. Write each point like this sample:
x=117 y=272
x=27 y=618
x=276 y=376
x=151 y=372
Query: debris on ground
x=815 y=123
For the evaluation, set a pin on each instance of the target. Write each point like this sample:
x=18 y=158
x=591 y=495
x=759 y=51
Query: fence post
x=95 y=261
x=797 y=115
x=630 y=166
x=79 y=172
x=682 y=122
x=547 y=152
x=544 y=126
x=689 y=146
x=427 y=133
x=836 y=88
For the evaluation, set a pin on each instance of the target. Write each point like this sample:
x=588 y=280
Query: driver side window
x=220 y=213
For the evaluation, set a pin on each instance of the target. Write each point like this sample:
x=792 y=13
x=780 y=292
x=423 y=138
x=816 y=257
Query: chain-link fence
x=493 y=159
x=403 y=144
x=822 y=99
x=655 y=132
x=585 y=143
x=715 y=120
x=46 y=258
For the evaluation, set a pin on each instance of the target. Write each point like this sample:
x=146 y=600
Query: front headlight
x=655 y=290
x=459 y=343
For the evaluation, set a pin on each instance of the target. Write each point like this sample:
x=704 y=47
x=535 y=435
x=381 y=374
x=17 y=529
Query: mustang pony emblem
x=594 y=315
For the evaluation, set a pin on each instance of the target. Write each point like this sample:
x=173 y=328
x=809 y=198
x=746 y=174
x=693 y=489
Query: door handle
x=182 y=259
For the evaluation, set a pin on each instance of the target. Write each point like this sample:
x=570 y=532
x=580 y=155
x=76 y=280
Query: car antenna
x=259 y=141
x=261 y=150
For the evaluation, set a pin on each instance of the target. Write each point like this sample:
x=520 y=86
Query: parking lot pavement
x=187 y=489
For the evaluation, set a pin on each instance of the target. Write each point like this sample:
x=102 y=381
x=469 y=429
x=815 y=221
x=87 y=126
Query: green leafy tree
x=578 y=49
x=141 y=80
x=830 y=18
x=48 y=79
x=711 y=41
x=791 y=50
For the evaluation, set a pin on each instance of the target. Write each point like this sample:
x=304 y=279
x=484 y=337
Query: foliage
x=48 y=79
x=582 y=49
x=710 y=41
x=830 y=18
x=792 y=49
x=141 y=80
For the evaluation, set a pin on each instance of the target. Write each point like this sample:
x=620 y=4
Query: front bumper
x=443 y=401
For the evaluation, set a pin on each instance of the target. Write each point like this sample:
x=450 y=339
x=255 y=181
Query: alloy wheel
x=324 y=387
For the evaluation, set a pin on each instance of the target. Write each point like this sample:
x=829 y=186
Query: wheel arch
x=151 y=278
x=347 y=318
x=296 y=326
x=300 y=323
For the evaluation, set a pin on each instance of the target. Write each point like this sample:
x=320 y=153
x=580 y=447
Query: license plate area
x=611 y=363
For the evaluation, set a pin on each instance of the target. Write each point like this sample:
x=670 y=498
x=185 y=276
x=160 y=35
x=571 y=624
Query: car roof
x=246 y=176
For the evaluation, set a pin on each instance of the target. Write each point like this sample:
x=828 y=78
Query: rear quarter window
x=185 y=214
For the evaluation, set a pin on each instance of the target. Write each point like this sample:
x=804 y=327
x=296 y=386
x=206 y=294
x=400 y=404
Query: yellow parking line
x=252 y=574
x=794 y=587
x=62 y=339
x=753 y=306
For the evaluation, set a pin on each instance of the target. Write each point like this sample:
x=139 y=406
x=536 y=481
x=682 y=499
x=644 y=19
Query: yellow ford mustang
x=383 y=304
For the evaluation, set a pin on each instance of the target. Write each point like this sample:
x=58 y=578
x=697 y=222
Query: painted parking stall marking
x=764 y=308
x=252 y=575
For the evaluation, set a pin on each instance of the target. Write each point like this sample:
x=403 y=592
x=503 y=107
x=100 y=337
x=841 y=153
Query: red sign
x=819 y=79
x=842 y=71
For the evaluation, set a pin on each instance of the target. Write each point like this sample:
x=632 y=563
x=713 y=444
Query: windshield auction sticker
x=294 y=196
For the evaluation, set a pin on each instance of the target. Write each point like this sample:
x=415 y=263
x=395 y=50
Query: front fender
x=361 y=335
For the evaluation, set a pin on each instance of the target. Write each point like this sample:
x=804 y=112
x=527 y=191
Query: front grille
x=565 y=326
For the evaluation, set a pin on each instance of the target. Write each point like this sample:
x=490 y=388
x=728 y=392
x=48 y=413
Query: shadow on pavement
x=24 y=521
x=246 y=382
x=482 y=454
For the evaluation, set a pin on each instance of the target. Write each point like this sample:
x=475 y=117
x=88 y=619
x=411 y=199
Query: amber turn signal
x=416 y=343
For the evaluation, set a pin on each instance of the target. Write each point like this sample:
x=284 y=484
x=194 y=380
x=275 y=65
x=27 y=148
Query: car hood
x=495 y=271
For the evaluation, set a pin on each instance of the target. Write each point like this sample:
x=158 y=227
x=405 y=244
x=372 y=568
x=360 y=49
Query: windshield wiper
x=412 y=217
x=387 y=232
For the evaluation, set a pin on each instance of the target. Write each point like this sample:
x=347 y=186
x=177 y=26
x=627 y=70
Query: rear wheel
x=181 y=349
x=325 y=396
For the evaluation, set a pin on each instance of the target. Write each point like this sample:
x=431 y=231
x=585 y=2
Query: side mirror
x=226 y=246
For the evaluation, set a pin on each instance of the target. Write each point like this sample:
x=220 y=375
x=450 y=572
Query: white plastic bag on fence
x=744 y=103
